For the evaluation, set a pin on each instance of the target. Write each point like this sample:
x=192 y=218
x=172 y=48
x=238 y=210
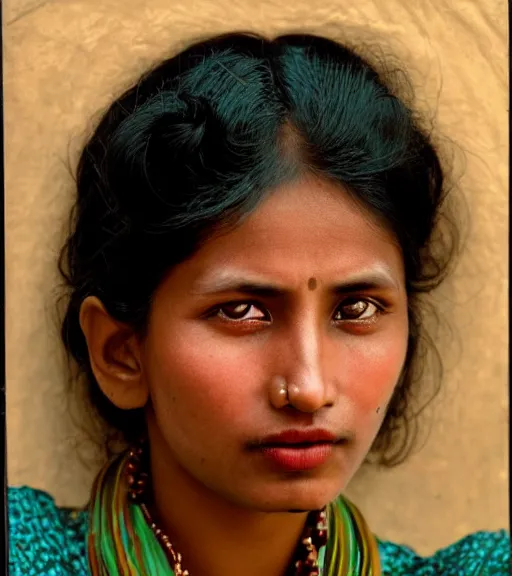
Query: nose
x=306 y=376
x=307 y=394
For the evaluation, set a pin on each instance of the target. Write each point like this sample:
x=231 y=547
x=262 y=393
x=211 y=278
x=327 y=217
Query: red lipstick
x=298 y=450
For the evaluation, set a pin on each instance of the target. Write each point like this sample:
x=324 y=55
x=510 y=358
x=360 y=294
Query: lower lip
x=299 y=458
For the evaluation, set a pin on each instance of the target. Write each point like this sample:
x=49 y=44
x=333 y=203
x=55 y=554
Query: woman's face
x=308 y=289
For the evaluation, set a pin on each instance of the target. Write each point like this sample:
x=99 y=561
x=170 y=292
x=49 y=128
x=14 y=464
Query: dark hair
x=197 y=143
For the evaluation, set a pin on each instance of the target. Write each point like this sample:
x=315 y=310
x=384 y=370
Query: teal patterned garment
x=46 y=540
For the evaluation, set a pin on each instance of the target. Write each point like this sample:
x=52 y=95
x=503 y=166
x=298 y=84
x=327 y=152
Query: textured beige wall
x=64 y=60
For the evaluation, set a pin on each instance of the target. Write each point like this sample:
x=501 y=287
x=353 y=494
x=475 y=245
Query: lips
x=298 y=450
x=299 y=437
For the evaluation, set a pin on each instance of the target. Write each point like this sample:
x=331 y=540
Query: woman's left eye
x=355 y=310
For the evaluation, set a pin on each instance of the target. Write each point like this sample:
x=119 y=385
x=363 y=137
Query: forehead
x=303 y=230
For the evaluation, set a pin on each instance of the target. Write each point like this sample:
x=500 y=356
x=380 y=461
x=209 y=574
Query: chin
x=298 y=505
x=297 y=495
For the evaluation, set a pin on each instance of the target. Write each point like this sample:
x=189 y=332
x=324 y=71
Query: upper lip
x=300 y=437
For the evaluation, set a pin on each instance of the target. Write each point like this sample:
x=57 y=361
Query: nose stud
x=279 y=392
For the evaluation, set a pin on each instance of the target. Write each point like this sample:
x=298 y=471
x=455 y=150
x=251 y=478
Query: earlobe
x=114 y=354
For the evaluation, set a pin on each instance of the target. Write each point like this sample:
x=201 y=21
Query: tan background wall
x=64 y=59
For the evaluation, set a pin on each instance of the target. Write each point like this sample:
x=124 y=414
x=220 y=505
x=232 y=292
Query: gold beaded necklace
x=306 y=556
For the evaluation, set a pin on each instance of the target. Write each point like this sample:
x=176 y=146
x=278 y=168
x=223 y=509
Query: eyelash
x=219 y=311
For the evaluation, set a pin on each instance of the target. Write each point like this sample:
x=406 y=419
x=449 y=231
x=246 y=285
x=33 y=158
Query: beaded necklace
x=124 y=540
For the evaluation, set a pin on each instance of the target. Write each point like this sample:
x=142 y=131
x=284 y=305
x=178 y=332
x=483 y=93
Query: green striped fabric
x=121 y=543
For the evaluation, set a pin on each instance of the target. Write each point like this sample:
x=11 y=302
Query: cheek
x=374 y=371
x=200 y=378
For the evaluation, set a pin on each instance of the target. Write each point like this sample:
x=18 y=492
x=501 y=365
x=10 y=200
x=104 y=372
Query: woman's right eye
x=241 y=311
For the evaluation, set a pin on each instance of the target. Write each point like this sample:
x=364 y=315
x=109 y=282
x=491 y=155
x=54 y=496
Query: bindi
x=312 y=284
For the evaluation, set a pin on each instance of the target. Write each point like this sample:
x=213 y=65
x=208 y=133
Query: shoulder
x=44 y=538
x=478 y=554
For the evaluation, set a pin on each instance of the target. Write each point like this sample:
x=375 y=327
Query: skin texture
x=205 y=368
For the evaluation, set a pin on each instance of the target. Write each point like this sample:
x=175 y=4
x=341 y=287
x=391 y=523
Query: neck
x=216 y=537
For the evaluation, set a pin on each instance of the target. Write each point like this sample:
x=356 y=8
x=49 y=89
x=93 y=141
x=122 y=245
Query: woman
x=256 y=224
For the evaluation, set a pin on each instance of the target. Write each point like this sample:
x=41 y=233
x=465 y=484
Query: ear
x=115 y=356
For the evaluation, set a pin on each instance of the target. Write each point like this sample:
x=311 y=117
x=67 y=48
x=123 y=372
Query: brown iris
x=354 y=310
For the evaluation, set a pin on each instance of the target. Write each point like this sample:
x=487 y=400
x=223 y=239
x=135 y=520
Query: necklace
x=306 y=556
x=173 y=556
x=124 y=540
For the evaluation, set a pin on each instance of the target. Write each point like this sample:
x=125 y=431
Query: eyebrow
x=372 y=280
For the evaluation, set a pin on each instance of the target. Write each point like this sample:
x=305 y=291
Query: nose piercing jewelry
x=279 y=392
